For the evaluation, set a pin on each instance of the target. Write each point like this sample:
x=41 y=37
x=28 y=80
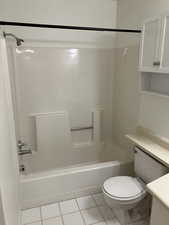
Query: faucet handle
x=20 y=144
x=23 y=148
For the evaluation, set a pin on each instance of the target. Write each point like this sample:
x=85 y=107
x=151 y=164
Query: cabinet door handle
x=156 y=63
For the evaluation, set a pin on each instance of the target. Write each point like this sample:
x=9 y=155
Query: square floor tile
x=73 y=219
x=86 y=202
x=91 y=216
x=113 y=221
x=49 y=211
x=31 y=215
x=99 y=199
x=69 y=206
x=106 y=212
x=53 y=221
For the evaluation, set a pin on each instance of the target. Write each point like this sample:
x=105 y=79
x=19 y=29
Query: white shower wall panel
x=75 y=80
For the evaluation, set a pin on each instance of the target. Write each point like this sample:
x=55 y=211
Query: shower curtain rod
x=6 y=23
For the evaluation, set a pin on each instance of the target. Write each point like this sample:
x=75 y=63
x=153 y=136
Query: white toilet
x=123 y=193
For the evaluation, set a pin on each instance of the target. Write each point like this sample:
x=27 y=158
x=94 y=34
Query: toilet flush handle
x=135 y=150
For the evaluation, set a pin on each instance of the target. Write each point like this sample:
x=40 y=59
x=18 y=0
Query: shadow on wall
x=126 y=98
x=2 y=220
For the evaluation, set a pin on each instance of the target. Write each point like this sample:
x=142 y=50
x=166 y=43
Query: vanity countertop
x=160 y=189
x=155 y=149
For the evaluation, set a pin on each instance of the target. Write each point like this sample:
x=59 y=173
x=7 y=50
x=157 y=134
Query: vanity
x=160 y=207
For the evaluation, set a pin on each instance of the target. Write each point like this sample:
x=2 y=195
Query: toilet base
x=122 y=216
x=129 y=216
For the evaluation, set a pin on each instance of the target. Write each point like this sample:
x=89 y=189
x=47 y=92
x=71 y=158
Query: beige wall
x=74 y=12
x=130 y=14
x=126 y=97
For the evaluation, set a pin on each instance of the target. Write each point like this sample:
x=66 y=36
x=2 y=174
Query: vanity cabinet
x=159 y=214
x=154 y=53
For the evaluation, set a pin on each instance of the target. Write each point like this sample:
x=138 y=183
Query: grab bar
x=81 y=128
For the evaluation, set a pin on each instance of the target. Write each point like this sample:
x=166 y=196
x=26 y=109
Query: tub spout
x=25 y=152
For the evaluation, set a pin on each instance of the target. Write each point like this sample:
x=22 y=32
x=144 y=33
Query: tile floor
x=87 y=210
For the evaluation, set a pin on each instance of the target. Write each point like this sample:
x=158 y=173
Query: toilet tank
x=146 y=167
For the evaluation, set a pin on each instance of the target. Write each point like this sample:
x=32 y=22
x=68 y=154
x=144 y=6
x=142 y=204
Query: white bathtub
x=61 y=184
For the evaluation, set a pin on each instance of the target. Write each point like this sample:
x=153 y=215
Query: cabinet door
x=150 y=50
x=165 y=45
x=159 y=214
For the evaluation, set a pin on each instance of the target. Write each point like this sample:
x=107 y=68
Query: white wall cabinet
x=154 y=54
x=164 y=66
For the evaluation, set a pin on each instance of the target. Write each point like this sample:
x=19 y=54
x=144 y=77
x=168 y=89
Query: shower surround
x=57 y=89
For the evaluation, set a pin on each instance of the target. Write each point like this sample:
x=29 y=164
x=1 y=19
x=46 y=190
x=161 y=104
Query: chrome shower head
x=18 y=40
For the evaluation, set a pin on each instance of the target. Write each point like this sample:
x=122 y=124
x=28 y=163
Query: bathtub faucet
x=23 y=148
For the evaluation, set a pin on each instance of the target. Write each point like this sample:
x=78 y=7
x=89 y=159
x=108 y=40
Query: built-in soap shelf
x=155 y=83
x=88 y=135
x=155 y=94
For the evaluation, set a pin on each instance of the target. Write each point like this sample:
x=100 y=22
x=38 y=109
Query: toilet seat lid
x=123 y=187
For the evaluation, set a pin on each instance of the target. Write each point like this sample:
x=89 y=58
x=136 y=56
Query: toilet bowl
x=127 y=195
x=123 y=192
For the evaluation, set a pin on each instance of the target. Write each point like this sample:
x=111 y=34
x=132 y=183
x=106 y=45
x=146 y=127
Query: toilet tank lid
x=123 y=187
